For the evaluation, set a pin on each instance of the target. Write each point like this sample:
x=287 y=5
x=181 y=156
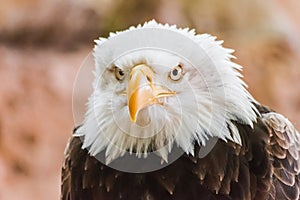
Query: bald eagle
x=170 y=118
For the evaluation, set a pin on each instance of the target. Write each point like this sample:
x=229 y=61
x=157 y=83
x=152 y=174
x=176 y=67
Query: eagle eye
x=176 y=73
x=119 y=74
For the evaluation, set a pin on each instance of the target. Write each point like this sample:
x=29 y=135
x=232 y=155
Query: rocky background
x=43 y=43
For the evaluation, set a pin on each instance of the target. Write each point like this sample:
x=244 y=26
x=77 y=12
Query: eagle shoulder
x=82 y=174
x=284 y=147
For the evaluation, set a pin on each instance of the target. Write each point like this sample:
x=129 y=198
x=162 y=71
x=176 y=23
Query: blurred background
x=43 y=43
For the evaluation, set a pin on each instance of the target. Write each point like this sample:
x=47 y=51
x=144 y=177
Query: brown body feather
x=266 y=166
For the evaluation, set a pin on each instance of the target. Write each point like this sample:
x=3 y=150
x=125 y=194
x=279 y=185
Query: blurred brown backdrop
x=43 y=42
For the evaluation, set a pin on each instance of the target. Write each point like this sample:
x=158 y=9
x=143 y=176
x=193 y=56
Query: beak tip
x=133 y=119
x=132 y=116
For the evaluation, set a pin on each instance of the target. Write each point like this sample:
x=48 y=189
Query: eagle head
x=157 y=86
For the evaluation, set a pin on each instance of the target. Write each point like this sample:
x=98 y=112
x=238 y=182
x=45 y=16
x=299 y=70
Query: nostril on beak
x=149 y=79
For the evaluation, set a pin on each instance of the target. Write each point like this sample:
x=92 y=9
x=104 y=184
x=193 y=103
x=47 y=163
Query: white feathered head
x=157 y=86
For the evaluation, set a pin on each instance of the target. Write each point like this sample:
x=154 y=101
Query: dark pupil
x=121 y=72
x=175 y=72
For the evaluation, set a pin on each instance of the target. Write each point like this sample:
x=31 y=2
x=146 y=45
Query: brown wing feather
x=284 y=147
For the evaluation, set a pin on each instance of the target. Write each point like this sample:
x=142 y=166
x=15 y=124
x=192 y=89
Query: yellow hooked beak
x=141 y=90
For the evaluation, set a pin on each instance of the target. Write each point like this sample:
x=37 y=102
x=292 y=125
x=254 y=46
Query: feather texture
x=229 y=171
x=256 y=155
